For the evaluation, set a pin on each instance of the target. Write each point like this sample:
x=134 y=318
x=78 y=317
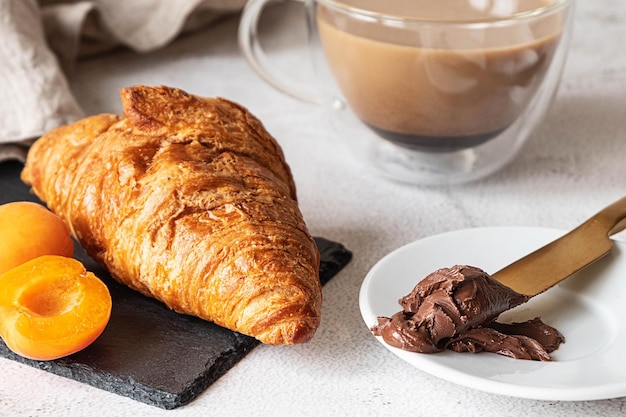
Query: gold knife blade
x=552 y=263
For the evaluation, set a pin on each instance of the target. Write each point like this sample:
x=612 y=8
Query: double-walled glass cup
x=431 y=92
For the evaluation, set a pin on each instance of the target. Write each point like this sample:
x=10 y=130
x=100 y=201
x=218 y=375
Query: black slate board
x=148 y=352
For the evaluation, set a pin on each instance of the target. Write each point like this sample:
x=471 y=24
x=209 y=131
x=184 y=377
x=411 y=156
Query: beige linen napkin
x=42 y=39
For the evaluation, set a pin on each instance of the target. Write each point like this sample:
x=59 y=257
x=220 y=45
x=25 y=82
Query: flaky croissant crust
x=188 y=200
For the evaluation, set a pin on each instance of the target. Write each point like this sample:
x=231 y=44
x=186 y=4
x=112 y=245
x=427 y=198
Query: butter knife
x=552 y=263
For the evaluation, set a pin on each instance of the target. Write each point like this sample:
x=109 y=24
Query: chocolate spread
x=455 y=308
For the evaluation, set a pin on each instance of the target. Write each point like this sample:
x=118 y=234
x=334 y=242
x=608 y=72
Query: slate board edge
x=143 y=393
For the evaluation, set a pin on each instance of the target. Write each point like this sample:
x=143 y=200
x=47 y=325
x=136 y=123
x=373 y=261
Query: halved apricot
x=30 y=230
x=51 y=307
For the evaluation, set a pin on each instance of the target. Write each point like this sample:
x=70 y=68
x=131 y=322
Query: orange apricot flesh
x=51 y=307
x=30 y=230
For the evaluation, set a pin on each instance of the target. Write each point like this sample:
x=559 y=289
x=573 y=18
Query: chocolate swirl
x=455 y=308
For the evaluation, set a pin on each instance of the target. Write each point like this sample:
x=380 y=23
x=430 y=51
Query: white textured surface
x=573 y=166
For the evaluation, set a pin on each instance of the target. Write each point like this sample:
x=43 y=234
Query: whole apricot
x=51 y=307
x=29 y=230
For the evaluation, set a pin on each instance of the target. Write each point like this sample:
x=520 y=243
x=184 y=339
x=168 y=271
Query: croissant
x=188 y=200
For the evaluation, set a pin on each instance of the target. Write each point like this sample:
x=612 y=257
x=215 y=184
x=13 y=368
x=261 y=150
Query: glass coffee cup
x=431 y=92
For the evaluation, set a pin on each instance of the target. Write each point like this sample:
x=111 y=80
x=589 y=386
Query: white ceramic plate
x=589 y=308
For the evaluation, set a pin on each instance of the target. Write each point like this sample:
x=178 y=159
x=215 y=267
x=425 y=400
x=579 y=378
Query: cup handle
x=250 y=45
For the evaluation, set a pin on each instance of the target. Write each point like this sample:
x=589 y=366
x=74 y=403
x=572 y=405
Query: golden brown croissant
x=188 y=200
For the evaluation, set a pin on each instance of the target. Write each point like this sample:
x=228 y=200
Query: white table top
x=570 y=168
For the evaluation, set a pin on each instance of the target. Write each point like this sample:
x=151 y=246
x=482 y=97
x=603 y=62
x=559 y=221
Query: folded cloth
x=41 y=41
x=34 y=95
x=84 y=28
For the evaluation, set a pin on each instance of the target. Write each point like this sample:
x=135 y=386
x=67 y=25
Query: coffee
x=438 y=86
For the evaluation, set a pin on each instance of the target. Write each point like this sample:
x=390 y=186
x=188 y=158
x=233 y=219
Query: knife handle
x=552 y=263
x=613 y=217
